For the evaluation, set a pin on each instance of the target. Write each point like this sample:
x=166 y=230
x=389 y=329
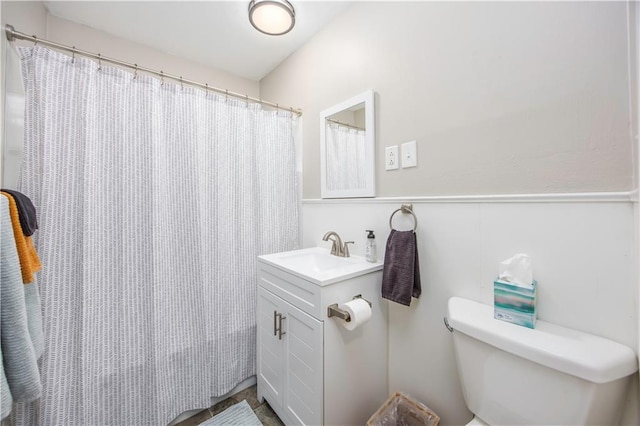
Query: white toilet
x=550 y=375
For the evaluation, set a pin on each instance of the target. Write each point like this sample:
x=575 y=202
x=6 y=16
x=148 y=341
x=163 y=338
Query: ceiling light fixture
x=273 y=17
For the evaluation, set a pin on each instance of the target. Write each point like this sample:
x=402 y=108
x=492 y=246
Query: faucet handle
x=346 y=248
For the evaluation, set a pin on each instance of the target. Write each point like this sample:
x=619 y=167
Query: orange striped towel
x=29 y=260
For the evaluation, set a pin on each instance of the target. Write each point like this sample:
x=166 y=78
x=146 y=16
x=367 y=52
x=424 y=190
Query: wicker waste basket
x=401 y=410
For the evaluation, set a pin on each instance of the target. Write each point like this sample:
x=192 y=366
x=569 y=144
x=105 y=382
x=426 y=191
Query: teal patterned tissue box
x=514 y=303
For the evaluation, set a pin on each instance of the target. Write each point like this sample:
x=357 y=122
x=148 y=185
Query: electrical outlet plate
x=409 y=155
x=391 y=158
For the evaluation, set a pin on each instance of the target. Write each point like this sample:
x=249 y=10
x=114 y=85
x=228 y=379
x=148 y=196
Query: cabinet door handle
x=275 y=322
x=280 y=332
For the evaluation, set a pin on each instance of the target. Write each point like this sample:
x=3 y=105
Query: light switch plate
x=409 y=155
x=391 y=159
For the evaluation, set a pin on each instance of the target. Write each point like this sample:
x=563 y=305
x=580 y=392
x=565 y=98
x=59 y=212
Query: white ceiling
x=214 y=33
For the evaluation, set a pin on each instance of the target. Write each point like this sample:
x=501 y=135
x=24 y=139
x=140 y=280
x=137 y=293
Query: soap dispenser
x=370 y=248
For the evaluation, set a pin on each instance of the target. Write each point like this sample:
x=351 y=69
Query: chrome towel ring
x=405 y=208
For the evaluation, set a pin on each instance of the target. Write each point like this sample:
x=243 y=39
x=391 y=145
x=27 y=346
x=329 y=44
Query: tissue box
x=515 y=304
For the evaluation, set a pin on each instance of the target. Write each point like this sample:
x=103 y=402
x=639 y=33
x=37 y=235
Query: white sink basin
x=319 y=266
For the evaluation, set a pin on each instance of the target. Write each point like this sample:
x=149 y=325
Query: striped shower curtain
x=154 y=201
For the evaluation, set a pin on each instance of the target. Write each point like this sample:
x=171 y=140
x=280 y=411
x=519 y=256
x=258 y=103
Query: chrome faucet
x=337 y=248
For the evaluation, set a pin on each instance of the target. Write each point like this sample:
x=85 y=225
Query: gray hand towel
x=401 y=272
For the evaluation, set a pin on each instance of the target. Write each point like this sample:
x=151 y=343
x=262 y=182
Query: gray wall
x=502 y=98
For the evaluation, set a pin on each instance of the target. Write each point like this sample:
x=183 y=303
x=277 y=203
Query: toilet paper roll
x=359 y=311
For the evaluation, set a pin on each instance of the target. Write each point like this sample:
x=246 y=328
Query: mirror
x=347 y=148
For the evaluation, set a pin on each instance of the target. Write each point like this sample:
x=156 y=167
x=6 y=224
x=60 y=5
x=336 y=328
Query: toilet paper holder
x=334 y=311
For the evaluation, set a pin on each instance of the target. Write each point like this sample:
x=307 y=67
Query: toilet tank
x=513 y=375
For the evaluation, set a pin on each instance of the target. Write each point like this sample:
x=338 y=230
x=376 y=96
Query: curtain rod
x=344 y=124
x=12 y=35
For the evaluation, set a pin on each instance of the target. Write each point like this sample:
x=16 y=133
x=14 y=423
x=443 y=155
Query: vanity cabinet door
x=303 y=367
x=270 y=349
x=290 y=360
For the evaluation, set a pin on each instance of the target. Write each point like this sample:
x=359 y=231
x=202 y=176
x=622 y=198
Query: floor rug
x=239 y=414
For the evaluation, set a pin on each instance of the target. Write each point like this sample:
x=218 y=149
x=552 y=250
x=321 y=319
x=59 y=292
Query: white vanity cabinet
x=310 y=369
x=290 y=354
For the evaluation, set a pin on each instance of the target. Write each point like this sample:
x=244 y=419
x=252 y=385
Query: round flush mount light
x=273 y=17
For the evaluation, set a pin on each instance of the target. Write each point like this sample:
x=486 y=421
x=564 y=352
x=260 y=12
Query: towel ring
x=405 y=208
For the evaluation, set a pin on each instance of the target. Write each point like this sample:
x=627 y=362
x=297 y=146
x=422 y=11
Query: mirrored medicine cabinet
x=347 y=148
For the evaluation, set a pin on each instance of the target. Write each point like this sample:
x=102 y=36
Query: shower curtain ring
x=181 y=85
x=135 y=72
x=161 y=78
x=99 y=62
x=35 y=40
x=246 y=99
x=73 y=55
x=226 y=95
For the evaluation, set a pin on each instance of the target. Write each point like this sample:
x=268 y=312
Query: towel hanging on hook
x=401 y=271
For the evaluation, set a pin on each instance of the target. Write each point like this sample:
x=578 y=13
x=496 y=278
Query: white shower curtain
x=154 y=201
x=346 y=158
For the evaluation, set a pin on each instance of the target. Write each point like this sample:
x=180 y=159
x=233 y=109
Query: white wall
x=581 y=258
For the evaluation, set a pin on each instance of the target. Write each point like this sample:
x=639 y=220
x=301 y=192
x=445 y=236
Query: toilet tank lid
x=574 y=352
